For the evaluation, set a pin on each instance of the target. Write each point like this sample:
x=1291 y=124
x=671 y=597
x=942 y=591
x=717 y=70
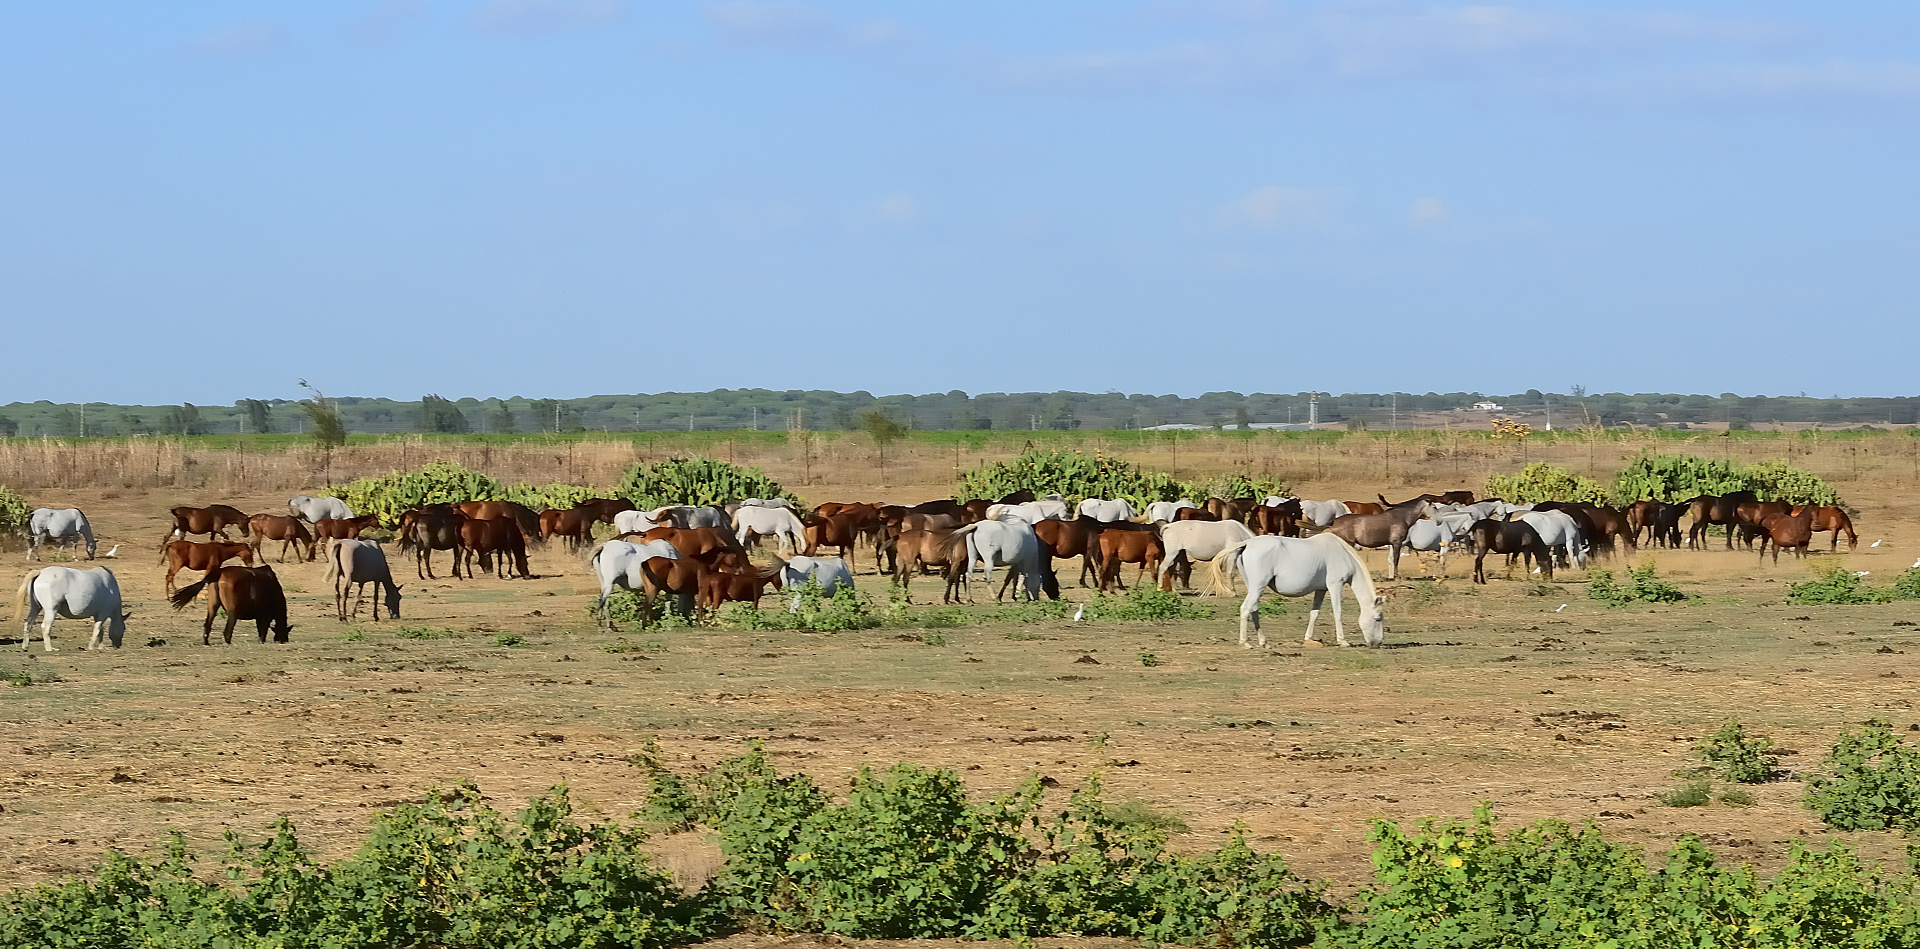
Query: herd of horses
x=700 y=555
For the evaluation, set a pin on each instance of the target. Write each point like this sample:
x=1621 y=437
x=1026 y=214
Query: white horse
x=1010 y=541
x=1107 y=511
x=1033 y=512
x=767 y=502
x=70 y=593
x=1294 y=566
x=1165 y=510
x=65 y=526
x=1199 y=540
x=314 y=510
x=1438 y=534
x=618 y=563
x=1322 y=513
x=686 y=516
x=633 y=522
x=351 y=562
x=779 y=522
x=1558 y=529
x=830 y=573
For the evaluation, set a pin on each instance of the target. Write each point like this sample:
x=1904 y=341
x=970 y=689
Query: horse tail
x=20 y=598
x=1228 y=556
x=186 y=594
x=333 y=564
x=951 y=543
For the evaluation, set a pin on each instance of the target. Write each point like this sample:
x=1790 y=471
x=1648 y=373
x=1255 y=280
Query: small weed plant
x=1738 y=757
x=806 y=607
x=423 y=632
x=1643 y=585
x=1835 y=585
x=1695 y=793
x=1144 y=602
x=1869 y=781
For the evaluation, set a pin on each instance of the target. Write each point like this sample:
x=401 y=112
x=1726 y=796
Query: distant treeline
x=814 y=409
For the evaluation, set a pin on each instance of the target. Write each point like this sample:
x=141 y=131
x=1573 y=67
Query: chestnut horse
x=1709 y=510
x=1282 y=519
x=286 y=529
x=522 y=515
x=917 y=549
x=575 y=524
x=842 y=530
x=1130 y=546
x=1793 y=531
x=492 y=542
x=245 y=593
x=343 y=528
x=1835 y=520
x=1079 y=537
x=725 y=586
x=195 y=556
x=709 y=545
x=212 y=520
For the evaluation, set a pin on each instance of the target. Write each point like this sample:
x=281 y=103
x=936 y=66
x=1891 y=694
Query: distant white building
x=1489 y=406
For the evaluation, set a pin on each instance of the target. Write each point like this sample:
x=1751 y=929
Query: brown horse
x=212 y=520
x=1385 y=529
x=492 y=541
x=245 y=593
x=684 y=579
x=1792 y=531
x=575 y=524
x=1835 y=520
x=918 y=549
x=602 y=509
x=286 y=529
x=1079 y=537
x=522 y=515
x=1508 y=537
x=1230 y=509
x=840 y=530
x=726 y=586
x=1750 y=515
x=1195 y=514
x=427 y=530
x=709 y=545
x=1367 y=507
x=1708 y=510
x=344 y=528
x=1659 y=519
x=1282 y=519
x=195 y=556
x=1130 y=546
x=1600 y=526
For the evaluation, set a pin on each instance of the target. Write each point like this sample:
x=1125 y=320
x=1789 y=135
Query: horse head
x=1373 y=621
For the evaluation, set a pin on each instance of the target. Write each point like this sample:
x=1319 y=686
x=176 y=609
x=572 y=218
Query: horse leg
x=46 y=631
x=1393 y=570
x=233 y=621
x=1012 y=574
x=1479 y=567
x=1339 y=628
x=1313 y=615
x=1250 y=613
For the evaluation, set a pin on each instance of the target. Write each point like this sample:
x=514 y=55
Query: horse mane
x=1361 y=581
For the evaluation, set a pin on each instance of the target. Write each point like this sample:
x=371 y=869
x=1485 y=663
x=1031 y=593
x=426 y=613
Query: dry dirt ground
x=1492 y=693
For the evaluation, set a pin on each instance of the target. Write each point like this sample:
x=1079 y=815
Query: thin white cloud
x=1427 y=211
x=245 y=39
x=1273 y=207
x=379 y=24
x=538 y=17
x=897 y=209
x=786 y=22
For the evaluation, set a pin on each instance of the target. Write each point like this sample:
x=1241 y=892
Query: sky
x=207 y=201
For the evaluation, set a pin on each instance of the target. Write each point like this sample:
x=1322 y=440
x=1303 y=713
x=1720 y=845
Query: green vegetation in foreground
x=905 y=853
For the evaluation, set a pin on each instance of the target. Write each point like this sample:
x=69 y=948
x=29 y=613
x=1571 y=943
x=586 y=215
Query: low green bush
x=1643 y=586
x=444 y=482
x=1869 y=781
x=696 y=480
x=1737 y=757
x=1835 y=585
x=1544 y=482
x=14 y=511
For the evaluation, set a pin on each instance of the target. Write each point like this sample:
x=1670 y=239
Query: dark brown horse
x=1282 y=519
x=575 y=524
x=919 y=549
x=709 y=545
x=1708 y=510
x=245 y=593
x=290 y=531
x=842 y=530
x=427 y=530
x=1195 y=514
x=602 y=509
x=1508 y=537
x=527 y=518
x=1122 y=546
x=1792 y=531
x=1750 y=515
x=492 y=542
x=1385 y=529
x=1659 y=519
x=344 y=528
x=1079 y=537
x=212 y=520
x=194 y=556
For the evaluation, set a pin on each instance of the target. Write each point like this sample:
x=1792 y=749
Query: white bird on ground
x=1082 y=611
x=1916 y=565
x=1562 y=607
x=1874 y=544
x=1861 y=573
x=114 y=553
x=1536 y=570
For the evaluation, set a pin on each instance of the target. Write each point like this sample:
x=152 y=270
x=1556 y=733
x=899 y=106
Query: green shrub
x=444 y=482
x=1077 y=476
x=1544 y=482
x=1870 y=780
x=1835 y=585
x=14 y=511
x=696 y=480
x=1677 y=478
x=423 y=632
x=805 y=607
x=1643 y=586
x=1737 y=757
x=510 y=640
x=1233 y=484
x=1144 y=601
x=1908 y=586
x=1696 y=793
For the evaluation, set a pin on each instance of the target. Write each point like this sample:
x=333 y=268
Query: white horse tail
x=593 y=559
x=1228 y=555
x=20 y=598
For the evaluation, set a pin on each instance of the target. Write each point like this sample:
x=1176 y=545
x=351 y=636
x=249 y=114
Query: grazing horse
x=1188 y=541
x=1107 y=511
x=70 y=593
x=1709 y=510
x=1232 y=509
x=1508 y=537
x=1835 y=520
x=1322 y=513
x=65 y=526
x=779 y=523
x=1079 y=537
x=830 y=573
x=1293 y=566
x=916 y=521
x=1010 y=541
x=1282 y=518
x=840 y=530
x=1165 y=510
x=204 y=557
x=1792 y=531
x=353 y=563
x=492 y=542
x=683 y=579
x=575 y=524
x=281 y=527
x=525 y=517
x=314 y=510
x=1659 y=519
x=1559 y=529
x=918 y=549
x=619 y=563
x=725 y=586
x=1386 y=529
x=343 y=528
x=1123 y=547
x=245 y=593
x=426 y=531
x=212 y=520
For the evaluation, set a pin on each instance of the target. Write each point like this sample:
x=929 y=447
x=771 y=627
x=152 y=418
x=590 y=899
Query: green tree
x=502 y=417
x=259 y=417
x=183 y=419
x=1241 y=420
x=8 y=427
x=329 y=428
x=441 y=415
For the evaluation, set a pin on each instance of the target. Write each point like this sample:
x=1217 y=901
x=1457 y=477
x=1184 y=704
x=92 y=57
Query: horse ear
x=126 y=615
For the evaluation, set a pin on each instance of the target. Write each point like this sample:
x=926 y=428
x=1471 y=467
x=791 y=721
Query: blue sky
x=209 y=201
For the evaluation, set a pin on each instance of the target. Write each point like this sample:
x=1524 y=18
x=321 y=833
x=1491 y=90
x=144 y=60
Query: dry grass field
x=1490 y=693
